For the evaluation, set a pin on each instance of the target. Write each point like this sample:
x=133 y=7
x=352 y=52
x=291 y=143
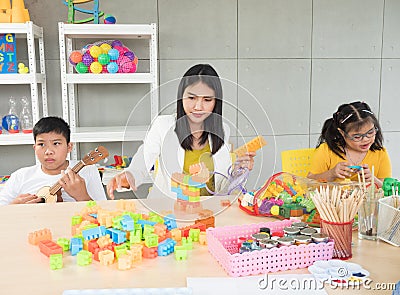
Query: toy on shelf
x=15 y=13
x=8 y=54
x=72 y=7
x=25 y=117
x=107 y=56
x=22 y=68
x=122 y=237
x=10 y=121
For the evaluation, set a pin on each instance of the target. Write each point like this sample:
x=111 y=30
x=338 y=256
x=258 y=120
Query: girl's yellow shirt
x=325 y=159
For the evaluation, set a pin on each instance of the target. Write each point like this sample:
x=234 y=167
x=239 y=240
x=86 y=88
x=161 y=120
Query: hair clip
x=367 y=111
x=345 y=119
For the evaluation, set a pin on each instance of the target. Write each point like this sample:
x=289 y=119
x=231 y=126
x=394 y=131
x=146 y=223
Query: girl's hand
x=367 y=173
x=119 y=181
x=341 y=170
x=246 y=161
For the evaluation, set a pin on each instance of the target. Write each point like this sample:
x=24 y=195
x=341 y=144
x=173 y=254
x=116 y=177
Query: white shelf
x=21 y=29
x=115 y=31
x=108 y=134
x=22 y=78
x=36 y=75
x=16 y=139
x=67 y=34
x=109 y=78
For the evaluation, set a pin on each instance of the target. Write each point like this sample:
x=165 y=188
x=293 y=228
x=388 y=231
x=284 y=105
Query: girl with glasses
x=351 y=139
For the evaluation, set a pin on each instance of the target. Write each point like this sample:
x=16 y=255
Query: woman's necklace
x=353 y=162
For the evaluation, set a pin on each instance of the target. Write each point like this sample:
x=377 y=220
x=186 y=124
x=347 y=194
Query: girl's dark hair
x=213 y=123
x=350 y=116
x=52 y=124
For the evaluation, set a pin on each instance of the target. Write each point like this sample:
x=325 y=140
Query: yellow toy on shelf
x=17 y=13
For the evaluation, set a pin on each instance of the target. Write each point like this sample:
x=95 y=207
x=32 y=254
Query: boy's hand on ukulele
x=26 y=199
x=74 y=185
x=119 y=181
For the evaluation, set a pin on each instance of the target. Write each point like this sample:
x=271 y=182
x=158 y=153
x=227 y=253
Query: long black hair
x=213 y=123
x=349 y=116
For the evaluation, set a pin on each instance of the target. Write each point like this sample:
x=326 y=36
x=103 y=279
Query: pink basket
x=223 y=245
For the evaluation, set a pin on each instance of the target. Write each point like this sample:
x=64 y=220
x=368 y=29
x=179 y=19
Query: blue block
x=166 y=247
x=118 y=236
x=75 y=246
x=127 y=223
x=143 y=222
x=94 y=233
x=170 y=221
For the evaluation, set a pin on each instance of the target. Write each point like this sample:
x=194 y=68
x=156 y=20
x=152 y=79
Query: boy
x=52 y=145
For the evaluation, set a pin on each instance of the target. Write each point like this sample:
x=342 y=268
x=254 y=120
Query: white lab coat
x=162 y=143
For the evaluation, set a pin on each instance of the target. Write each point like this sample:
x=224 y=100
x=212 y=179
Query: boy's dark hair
x=213 y=123
x=52 y=124
x=349 y=116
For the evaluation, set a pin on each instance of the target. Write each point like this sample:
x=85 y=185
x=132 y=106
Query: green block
x=77 y=219
x=148 y=229
x=116 y=222
x=194 y=234
x=56 y=261
x=120 y=249
x=63 y=243
x=187 y=243
x=151 y=240
x=180 y=253
x=91 y=203
x=284 y=211
x=84 y=257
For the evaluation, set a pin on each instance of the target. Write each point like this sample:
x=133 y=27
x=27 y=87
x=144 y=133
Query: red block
x=48 y=247
x=150 y=252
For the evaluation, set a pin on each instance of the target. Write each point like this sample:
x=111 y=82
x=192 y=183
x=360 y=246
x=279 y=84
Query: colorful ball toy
x=103 y=57
x=109 y=19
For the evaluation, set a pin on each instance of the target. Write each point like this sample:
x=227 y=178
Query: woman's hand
x=246 y=161
x=119 y=181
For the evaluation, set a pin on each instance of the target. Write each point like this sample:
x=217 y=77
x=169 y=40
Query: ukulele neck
x=56 y=187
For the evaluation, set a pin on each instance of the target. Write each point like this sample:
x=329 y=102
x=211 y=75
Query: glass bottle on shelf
x=10 y=121
x=25 y=118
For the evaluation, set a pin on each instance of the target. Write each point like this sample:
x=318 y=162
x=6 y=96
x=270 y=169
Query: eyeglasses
x=358 y=137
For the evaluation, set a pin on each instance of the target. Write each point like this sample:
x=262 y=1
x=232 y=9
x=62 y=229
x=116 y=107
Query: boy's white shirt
x=162 y=143
x=31 y=179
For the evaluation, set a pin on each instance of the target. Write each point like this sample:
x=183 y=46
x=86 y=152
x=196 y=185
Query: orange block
x=251 y=146
x=41 y=235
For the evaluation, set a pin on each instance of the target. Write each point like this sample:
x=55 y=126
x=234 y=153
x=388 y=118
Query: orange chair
x=297 y=162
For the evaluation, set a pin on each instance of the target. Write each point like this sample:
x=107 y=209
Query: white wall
x=306 y=58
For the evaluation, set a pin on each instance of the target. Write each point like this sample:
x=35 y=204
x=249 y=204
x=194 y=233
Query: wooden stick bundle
x=337 y=209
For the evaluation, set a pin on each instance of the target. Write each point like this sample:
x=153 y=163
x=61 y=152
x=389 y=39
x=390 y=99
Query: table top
x=24 y=270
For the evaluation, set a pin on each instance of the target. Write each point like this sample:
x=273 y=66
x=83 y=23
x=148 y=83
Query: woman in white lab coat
x=196 y=134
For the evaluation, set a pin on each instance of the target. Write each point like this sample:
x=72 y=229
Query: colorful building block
x=56 y=261
x=48 y=247
x=84 y=258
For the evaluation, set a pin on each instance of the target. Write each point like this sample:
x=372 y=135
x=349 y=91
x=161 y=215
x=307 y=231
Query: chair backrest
x=297 y=162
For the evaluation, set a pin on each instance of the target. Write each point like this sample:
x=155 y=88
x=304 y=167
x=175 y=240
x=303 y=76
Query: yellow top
x=325 y=159
x=196 y=156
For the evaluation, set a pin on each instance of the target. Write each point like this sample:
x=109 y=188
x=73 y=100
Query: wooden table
x=24 y=270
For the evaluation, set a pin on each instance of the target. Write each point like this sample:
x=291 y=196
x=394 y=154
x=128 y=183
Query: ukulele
x=49 y=194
